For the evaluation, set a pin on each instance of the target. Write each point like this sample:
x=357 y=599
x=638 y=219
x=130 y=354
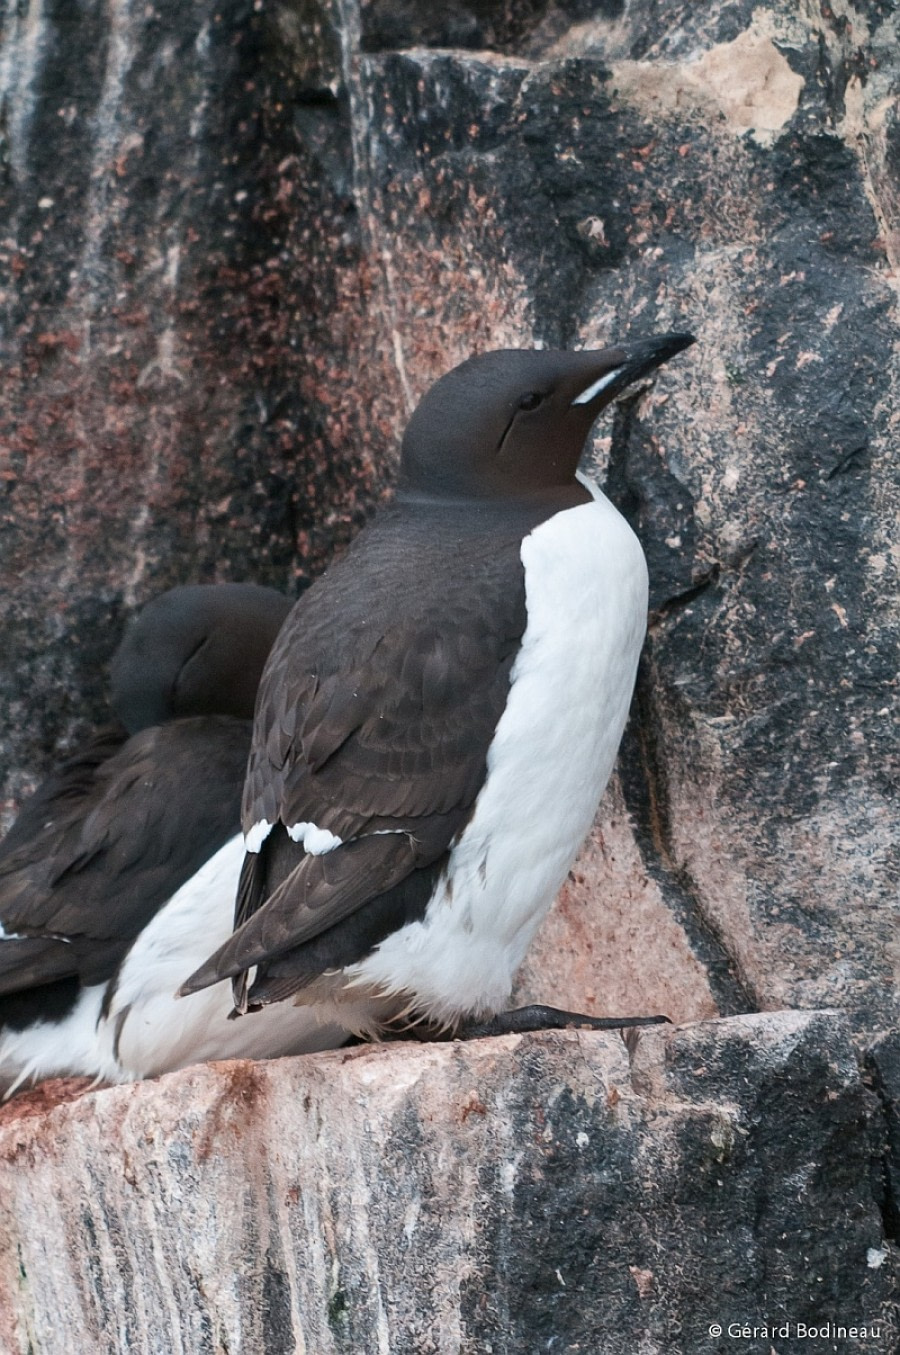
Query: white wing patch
x=23 y=936
x=317 y=841
x=257 y=836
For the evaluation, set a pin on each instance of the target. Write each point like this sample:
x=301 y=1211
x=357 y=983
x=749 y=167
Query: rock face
x=518 y=1195
x=239 y=241
x=242 y=239
x=159 y=420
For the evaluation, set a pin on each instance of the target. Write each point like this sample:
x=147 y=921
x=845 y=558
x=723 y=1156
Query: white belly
x=64 y=1048
x=149 y=1031
x=548 y=764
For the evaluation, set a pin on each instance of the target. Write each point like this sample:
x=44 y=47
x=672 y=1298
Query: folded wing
x=373 y=732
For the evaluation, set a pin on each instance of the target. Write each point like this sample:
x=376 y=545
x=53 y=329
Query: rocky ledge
x=555 y=1192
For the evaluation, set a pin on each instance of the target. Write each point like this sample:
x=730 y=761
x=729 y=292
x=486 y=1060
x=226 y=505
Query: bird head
x=195 y=650
x=515 y=421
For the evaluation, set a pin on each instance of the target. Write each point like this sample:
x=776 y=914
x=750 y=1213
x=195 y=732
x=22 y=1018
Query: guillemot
x=121 y=868
x=441 y=712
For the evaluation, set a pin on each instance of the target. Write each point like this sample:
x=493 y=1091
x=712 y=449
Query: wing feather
x=100 y=863
x=319 y=892
x=374 y=719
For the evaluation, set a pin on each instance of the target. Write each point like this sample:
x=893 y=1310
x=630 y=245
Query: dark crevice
x=849 y=461
x=886 y=1156
x=618 y=486
x=318 y=98
x=683 y=599
x=641 y=761
x=646 y=798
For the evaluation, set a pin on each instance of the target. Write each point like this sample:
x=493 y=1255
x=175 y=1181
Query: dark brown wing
x=101 y=857
x=320 y=893
x=30 y=962
x=399 y=734
x=373 y=721
x=63 y=790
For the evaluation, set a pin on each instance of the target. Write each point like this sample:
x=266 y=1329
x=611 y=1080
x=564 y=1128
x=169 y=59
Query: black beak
x=638 y=359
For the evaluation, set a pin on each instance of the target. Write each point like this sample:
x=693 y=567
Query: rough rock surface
x=243 y=238
x=726 y=168
x=537 y=1193
x=164 y=327
x=238 y=242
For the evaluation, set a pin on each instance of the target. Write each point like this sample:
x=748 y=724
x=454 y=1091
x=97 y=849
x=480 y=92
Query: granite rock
x=243 y=238
x=239 y=241
x=547 y=1192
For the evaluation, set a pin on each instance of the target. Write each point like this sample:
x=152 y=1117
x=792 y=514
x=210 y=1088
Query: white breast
x=548 y=764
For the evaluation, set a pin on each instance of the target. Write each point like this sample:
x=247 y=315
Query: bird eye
x=531 y=400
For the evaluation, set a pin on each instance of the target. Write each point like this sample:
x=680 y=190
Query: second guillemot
x=441 y=712
x=120 y=871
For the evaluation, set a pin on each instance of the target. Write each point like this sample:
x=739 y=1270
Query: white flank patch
x=317 y=841
x=158 y=1032
x=548 y=764
x=257 y=836
x=66 y=1048
x=587 y=396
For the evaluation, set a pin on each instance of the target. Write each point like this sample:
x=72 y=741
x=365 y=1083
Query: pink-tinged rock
x=611 y=945
x=517 y=1195
x=239 y=242
x=242 y=241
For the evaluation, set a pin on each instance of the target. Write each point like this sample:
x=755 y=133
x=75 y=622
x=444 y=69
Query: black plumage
x=375 y=726
x=382 y=695
x=109 y=837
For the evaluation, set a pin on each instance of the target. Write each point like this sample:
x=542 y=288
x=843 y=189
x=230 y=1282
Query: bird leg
x=517 y=1021
x=538 y=1017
